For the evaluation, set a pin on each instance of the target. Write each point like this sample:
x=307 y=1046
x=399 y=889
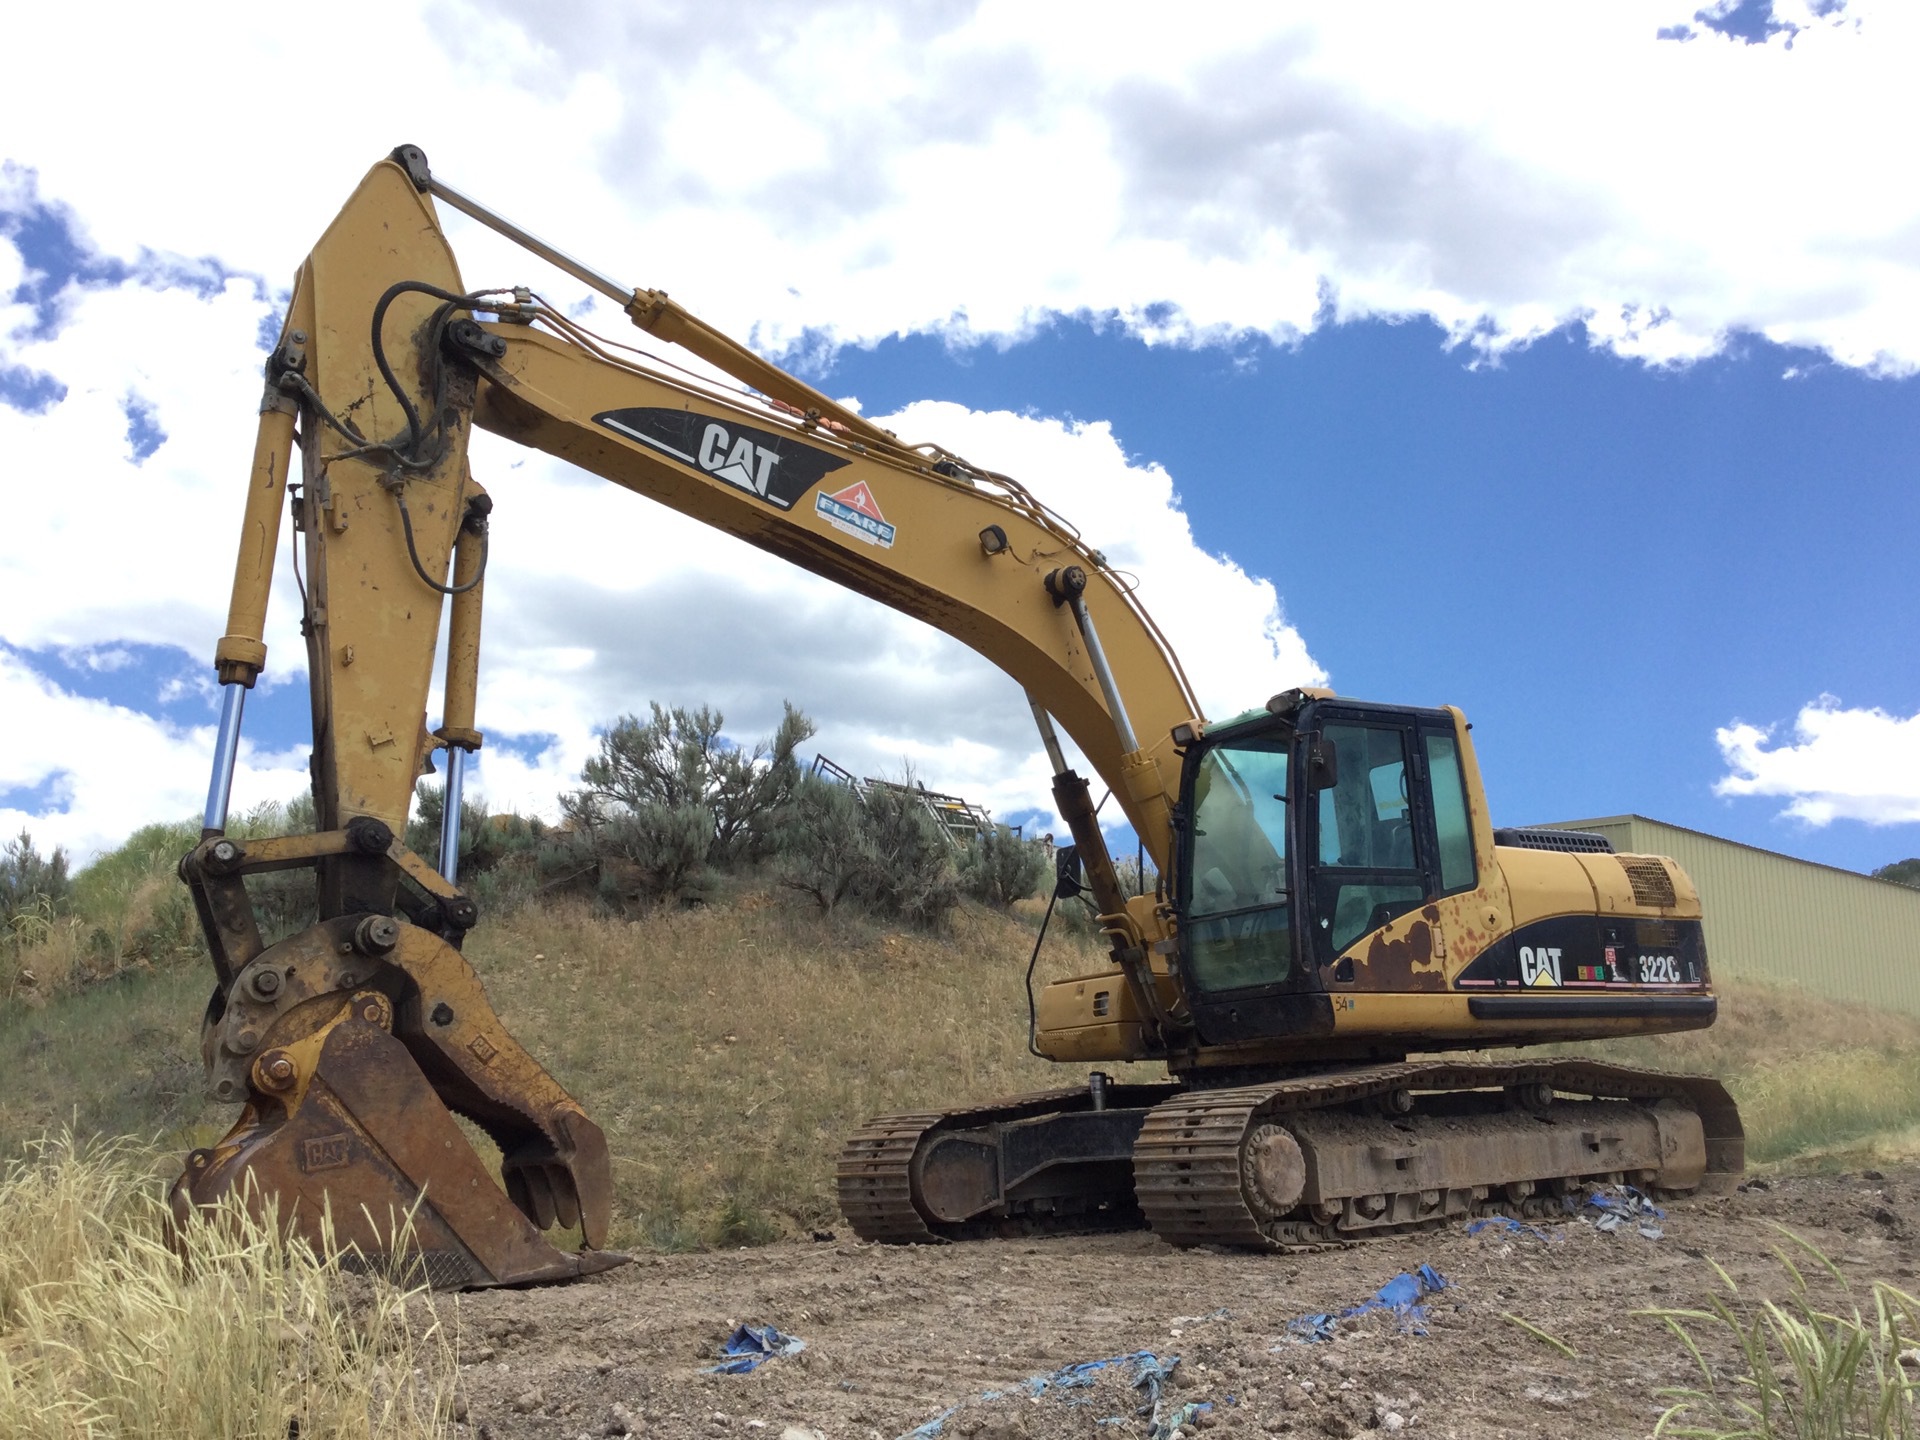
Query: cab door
x=1367 y=826
x=1388 y=832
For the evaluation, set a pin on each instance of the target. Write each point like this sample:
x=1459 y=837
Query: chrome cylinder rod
x=552 y=254
x=226 y=752
x=450 y=817
x=1048 y=737
x=1104 y=674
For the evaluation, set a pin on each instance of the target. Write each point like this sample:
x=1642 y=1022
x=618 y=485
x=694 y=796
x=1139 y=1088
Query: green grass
x=1806 y=1371
x=120 y=1058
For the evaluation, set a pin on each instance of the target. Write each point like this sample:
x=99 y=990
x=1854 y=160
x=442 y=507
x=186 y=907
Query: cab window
x=1451 y=826
x=1238 y=927
x=1369 y=871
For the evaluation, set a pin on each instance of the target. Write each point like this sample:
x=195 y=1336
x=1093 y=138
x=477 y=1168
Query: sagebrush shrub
x=999 y=867
x=877 y=848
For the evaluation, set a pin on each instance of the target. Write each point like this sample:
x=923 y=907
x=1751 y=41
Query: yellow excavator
x=1334 y=898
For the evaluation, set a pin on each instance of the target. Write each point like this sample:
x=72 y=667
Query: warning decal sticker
x=855 y=511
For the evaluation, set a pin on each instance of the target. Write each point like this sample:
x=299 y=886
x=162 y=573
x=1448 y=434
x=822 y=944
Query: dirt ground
x=896 y=1336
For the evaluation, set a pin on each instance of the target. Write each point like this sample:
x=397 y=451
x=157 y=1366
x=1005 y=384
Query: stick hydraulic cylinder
x=226 y=751
x=450 y=818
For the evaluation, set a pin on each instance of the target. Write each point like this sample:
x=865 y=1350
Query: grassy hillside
x=727 y=1049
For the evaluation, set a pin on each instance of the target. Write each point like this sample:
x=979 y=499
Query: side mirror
x=1323 y=764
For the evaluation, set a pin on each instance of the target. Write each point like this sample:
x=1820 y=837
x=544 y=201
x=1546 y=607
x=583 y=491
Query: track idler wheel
x=1273 y=1172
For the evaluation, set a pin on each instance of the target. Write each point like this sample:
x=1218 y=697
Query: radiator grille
x=1652 y=885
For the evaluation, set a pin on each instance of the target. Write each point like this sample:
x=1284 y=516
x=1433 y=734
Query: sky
x=1554 y=362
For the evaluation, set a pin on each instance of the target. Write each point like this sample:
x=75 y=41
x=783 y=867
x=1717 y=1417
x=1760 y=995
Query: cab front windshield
x=1238 y=915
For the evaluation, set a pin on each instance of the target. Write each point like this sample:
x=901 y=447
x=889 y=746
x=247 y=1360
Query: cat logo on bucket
x=326 y=1152
x=1539 y=965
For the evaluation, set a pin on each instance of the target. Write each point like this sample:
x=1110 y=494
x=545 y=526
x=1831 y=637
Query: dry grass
x=1813 y=1077
x=106 y=1332
x=1807 y=1370
x=727 y=1051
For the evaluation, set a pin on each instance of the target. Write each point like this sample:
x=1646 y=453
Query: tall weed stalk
x=1805 y=1373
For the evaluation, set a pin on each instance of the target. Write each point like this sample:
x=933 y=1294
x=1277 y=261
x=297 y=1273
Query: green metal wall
x=1772 y=917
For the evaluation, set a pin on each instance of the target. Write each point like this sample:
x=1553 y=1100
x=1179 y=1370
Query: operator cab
x=1300 y=833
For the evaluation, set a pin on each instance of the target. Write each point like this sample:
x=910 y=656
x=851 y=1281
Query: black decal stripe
x=1584 y=941
x=650 y=442
x=1577 y=1007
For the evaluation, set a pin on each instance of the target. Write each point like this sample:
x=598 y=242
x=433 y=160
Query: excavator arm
x=349 y=1043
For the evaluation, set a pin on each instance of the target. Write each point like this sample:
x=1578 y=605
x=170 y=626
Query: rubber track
x=874 y=1173
x=1186 y=1162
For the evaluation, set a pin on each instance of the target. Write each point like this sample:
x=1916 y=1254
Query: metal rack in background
x=959 y=820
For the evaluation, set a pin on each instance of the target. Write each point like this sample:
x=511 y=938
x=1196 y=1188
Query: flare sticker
x=855 y=511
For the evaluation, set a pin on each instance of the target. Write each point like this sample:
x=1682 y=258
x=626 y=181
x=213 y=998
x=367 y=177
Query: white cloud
x=107 y=769
x=1841 y=764
x=99 y=548
x=860 y=169
x=864 y=168
x=602 y=601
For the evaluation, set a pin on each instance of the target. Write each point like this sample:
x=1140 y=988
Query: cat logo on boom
x=1539 y=965
x=775 y=467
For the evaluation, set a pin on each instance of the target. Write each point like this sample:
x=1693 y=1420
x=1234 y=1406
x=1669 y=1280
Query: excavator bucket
x=369 y=1158
x=353 y=1045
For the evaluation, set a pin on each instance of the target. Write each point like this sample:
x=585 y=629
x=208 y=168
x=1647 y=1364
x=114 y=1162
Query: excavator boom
x=1308 y=918
x=348 y=1045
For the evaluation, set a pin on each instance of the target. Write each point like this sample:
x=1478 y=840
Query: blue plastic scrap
x=1150 y=1373
x=1400 y=1296
x=1079 y=1377
x=1164 y=1426
x=1617 y=1208
x=751 y=1346
x=932 y=1428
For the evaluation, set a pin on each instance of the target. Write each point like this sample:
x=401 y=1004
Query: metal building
x=1772 y=917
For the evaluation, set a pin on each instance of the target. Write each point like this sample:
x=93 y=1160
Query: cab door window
x=1369 y=870
x=1452 y=825
x=1238 y=931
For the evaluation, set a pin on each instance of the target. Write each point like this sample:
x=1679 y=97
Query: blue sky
x=1601 y=562
x=1555 y=362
